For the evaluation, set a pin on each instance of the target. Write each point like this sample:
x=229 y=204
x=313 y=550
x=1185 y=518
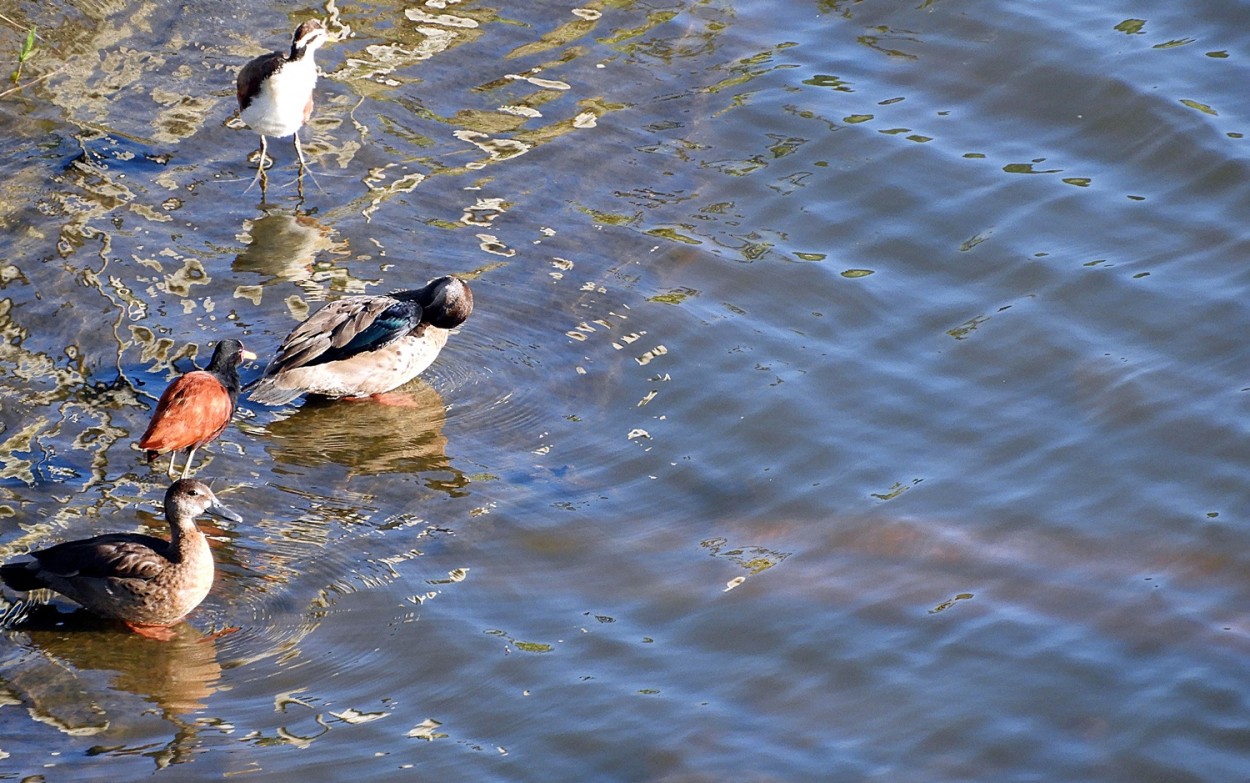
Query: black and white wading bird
x=275 y=92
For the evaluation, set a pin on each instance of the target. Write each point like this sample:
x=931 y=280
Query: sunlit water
x=855 y=392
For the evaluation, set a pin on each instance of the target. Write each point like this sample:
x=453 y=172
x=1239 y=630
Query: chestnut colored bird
x=146 y=582
x=196 y=407
x=275 y=91
x=362 y=346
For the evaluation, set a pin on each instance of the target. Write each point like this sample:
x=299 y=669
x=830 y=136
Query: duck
x=364 y=346
x=147 y=583
x=275 y=91
x=196 y=408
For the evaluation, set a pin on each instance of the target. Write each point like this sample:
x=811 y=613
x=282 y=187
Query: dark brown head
x=308 y=36
x=446 y=302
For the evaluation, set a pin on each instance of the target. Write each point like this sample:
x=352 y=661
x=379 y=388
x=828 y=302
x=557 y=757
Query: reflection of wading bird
x=275 y=91
x=285 y=246
x=141 y=580
x=197 y=407
x=365 y=345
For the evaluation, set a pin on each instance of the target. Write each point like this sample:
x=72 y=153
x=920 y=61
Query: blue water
x=855 y=392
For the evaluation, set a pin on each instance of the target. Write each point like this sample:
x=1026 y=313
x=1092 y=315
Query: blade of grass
x=28 y=48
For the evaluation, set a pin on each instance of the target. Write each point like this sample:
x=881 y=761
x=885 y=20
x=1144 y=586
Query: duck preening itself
x=365 y=345
x=141 y=580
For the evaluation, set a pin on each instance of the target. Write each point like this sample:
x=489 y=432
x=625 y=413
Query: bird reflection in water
x=284 y=246
x=404 y=435
x=87 y=676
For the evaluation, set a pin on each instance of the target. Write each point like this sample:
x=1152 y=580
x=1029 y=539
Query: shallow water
x=855 y=392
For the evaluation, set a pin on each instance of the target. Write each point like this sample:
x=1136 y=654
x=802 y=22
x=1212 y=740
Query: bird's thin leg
x=186 y=469
x=262 y=169
x=299 y=153
x=173 y=456
x=261 y=176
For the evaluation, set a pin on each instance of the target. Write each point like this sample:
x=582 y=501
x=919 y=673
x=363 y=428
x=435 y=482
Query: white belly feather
x=374 y=372
x=279 y=108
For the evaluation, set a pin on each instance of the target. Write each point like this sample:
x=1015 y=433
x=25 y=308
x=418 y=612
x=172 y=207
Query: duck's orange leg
x=163 y=633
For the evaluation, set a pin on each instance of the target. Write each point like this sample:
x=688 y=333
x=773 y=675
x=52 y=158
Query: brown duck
x=147 y=583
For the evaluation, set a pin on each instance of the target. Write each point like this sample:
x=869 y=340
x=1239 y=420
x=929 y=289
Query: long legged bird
x=275 y=91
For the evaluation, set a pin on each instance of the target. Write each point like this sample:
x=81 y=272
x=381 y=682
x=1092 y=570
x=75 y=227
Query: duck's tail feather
x=22 y=576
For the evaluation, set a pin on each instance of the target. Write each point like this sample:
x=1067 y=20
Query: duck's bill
x=219 y=509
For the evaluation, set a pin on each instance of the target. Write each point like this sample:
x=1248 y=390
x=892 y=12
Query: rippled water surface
x=855 y=391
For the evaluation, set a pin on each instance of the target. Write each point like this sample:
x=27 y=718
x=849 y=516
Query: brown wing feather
x=333 y=326
x=118 y=555
x=194 y=410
